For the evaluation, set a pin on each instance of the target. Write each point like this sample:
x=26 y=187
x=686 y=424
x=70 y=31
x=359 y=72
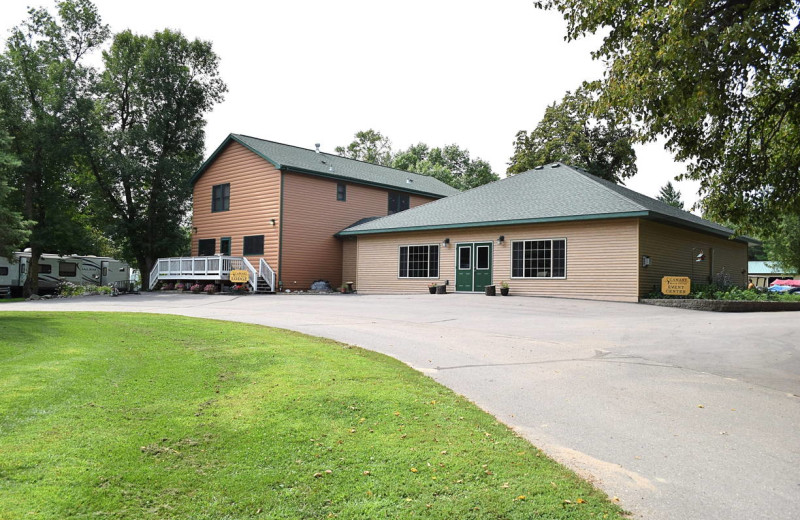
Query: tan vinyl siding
x=601 y=259
x=254 y=201
x=350 y=261
x=673 y=251
x=311 y=218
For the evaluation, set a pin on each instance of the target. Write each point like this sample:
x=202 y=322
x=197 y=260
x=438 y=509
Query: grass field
x=146 y=416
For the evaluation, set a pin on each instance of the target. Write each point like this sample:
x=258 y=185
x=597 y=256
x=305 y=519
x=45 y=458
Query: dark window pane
x=4 y=271
x=403 y=262
x=465 y=257
x=206 y=246
x=67 y=269
x=253 y=245
x=341 y=191
x=482 y=260
x=45 y=268
x=517 y=259
x=403 y=202
x=433 y=262
x=225 y=246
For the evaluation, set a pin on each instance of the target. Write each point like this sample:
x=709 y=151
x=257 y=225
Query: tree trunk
x=145 y=266
x=31 y=285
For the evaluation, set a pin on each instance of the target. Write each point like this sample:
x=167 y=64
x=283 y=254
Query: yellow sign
x=676 y=285
x=239 y=276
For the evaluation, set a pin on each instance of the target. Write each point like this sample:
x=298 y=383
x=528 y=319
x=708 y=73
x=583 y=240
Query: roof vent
x=317 y=147
x=555 y=165
x=409 y=181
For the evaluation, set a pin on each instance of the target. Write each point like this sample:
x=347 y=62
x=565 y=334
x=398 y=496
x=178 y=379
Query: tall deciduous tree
x=148 y=138
x=670 y=195
x=44 y=85
x=720 y=79
x=369 y=146
x=570 y=132
x=783 y=244
x=450 y=164
x=14 y=230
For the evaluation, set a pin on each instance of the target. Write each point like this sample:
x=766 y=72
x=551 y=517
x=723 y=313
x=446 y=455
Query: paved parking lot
x=681 y=414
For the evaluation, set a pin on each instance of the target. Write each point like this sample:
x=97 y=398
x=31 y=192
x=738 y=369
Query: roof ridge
x=597 y=180
x=337 y=156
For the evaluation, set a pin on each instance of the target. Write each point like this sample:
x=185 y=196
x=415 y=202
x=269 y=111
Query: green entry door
x=473 y=266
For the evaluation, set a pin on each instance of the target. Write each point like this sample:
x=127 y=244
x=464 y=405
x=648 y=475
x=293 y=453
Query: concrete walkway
x=680 y=414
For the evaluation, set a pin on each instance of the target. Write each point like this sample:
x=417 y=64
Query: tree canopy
x=103 y=156
x=449 y=164
x=670 y=195
x=45 y=89
x=571 y=133
x=719 y=80
x=147 y=139
x=14 y=230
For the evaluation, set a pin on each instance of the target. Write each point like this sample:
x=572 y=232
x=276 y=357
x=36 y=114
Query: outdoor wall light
x=700 y=256
x=501 y=239
x=273 y=221
x=645 y=260
x=446 y=242
x=194 y=229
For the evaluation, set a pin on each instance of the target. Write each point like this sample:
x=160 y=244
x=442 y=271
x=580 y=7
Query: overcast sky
x=303 y=72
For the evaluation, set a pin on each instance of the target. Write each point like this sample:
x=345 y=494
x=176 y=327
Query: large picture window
x=398 y=202
x=419 y=261
x=253 y=245
x=539 y=258
x=221 y=197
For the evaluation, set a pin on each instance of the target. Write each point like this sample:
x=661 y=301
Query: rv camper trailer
x=54 y=269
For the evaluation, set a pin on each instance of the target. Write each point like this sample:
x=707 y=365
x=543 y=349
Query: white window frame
x=438 y=262
x=551 y=240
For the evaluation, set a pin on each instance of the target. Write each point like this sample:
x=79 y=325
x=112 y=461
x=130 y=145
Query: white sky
x=437 y=71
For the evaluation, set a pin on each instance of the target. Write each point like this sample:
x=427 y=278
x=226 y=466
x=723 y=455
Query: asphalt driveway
x=681 y=414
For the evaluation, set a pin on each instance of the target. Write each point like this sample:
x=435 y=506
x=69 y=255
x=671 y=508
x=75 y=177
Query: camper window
x=45 y=268
x=67 y=269
x=3 y=271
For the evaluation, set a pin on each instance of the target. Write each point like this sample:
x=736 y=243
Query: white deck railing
x=266 y=272
x=209 y=268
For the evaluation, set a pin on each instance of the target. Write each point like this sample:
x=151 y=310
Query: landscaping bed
x=725 y=305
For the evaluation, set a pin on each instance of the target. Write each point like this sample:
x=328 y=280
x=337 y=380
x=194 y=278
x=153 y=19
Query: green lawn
x=11 y=300
x=146 y=416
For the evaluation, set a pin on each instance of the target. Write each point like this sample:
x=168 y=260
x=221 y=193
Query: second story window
x=397 y=202
x=221 y=197
x=341 y=191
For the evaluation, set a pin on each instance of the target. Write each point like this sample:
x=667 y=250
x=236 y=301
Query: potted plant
x=180 y=287
x=441 y=289
x=503 y=288
x=432 y=287
x=209 y=289
x=239 y=288
x=196 y=288
x=168 y=287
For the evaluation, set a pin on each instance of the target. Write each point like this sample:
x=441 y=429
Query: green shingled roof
x=303 y=160
x=551 y=193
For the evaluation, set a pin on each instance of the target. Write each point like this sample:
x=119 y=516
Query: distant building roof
x=765 y=268
x=551 y=193
x=303 y=160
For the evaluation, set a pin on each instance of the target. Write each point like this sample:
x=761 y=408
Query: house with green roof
x=551 y=231
x=273 y=210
